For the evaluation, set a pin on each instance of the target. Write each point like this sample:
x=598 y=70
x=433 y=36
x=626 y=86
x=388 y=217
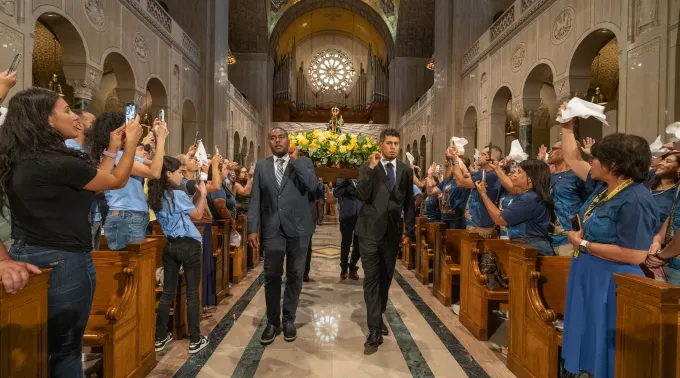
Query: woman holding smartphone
x=128 y=215
x=49 y=189
x=618 y=223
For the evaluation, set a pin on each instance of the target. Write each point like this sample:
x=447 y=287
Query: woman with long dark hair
x=527 y=216
x=175 y=212
x=49 y=188
x=243 y=184
x=128 y=215
x=618 y=224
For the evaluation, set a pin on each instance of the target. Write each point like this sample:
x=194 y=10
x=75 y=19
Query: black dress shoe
x=374 y=339
x=289 y=331
x=343 y=275
x=385 y=331
x=270 y=333
x=353 y=275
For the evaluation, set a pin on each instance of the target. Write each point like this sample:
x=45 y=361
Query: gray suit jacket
x=380 y=213
x=286 y=207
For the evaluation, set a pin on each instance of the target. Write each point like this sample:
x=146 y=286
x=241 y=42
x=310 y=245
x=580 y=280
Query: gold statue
x=334 y=125
x=54 y=85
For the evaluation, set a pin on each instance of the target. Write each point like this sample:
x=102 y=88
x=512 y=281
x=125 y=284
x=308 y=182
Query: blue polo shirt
x=476 y=213
x=174 y=216
x=131 y=197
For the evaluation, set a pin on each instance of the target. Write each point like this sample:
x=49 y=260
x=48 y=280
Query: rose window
x=331 y=70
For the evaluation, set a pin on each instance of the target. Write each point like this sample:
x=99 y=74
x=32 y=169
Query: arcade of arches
x=228 y=72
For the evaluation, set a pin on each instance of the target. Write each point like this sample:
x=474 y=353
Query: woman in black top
x=49 y=189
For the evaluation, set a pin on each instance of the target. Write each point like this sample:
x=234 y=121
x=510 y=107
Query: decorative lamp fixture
x=54 y=85
x=430 y=64
x=230 y=57
x=331 y=70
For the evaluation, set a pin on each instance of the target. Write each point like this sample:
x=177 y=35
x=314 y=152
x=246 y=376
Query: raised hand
x=254 y=240
x=116 y=139
x=481 y=186
x=542 y=152
x=293 y=153
x=133 y=132
x=374 y=159
x=587 y=144
x=192 y=151
x=201 y=189
x=8 y=79
x=432 y=169
x=217 y=160
x=161 y=129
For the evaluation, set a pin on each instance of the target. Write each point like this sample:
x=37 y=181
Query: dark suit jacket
x=381 y=210
x=314 y=198
x=286 y=208
x=346 y=193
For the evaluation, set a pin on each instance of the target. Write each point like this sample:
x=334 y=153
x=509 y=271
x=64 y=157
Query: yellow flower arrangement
x=327 y=148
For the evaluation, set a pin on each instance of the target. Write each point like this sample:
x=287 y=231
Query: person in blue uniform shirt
x=432 y=212
x=663 y=181
x=618 y=222
x=453 y=198
x=508 y=194
x=527 y=215
x=568 y=193
x=176 y=213
x=476 y=215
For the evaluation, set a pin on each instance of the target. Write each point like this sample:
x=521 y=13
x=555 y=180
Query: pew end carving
x=238 y=255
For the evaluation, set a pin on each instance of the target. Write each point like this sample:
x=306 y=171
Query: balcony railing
x=238 y=98
x=421 y=104
x=166 y=28
x=519 y=13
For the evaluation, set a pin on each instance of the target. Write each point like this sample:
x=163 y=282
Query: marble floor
x=426 y=339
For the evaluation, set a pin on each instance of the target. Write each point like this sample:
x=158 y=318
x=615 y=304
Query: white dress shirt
x=394 y=166
x=286 y=159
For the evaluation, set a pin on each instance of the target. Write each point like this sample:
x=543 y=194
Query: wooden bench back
x=549 y=281
x=420 y=238
x=453 y=240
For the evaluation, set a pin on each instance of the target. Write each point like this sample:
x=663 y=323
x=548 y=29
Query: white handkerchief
x=3 y=113
x=517 y=152
x=459 y=143
x=673 y=128
x=410 y=158
x=201 y=155
x=582 y=109
x=476 y=154
x=657 y=147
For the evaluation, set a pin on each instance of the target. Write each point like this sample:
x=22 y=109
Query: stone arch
x=498 y=116
x=65 y=28
x=244 y=150
x=189 y=124
x=251 y=153
x=422 y=158
x=539 y=105
x=358 y=7
x=415 y=152
x=582 y=78
x=117 y=85
x=237 y=147
x=156 y=97
x=470 y=129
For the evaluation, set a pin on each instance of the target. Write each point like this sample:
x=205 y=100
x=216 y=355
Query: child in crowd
x=175 y=212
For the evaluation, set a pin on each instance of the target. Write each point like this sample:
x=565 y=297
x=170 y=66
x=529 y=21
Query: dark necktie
x=391 y=180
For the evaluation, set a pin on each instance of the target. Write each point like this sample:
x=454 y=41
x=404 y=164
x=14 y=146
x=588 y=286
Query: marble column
x=409 y=80
x=444 y=74
x=85 y=81
x=525 y=131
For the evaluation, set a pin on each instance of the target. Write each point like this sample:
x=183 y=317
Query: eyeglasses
x=554 y=149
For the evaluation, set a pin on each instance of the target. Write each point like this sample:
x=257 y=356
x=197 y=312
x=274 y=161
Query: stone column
x=525 y=131
x=85 y=80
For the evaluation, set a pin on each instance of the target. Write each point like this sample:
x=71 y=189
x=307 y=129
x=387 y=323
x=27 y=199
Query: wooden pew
x=23 y=329
x=239 y=260
x=425 y=241
x=476 y=300
x=123 y=319
x=538 y=290
x=647 y=337
x=447 y=262
x=220 y=234
x=408 y=253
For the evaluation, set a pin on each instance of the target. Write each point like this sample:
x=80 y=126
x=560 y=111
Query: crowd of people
x=69 y=177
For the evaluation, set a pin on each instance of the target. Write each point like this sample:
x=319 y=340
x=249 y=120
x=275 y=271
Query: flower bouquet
x=326 y=148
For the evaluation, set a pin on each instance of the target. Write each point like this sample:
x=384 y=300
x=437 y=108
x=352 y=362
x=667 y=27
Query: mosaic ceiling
x=388 y=10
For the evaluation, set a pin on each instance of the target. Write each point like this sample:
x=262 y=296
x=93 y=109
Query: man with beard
x=385 y=188
x=280 y=208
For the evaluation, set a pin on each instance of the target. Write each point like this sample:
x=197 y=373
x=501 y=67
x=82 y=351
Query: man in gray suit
x=385 y=187
x=280 y=208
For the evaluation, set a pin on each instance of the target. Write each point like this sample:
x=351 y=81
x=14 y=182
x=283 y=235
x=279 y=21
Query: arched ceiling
x=297 y=8
x=387 y=9
x=415 y=29
x=331 y=19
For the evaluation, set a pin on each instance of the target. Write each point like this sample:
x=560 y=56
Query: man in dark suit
x=346 y=193
x=313 y=200
x=279 y=207
x=385 y=187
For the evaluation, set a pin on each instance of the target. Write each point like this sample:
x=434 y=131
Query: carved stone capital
x=526 y=119
x=85 y=87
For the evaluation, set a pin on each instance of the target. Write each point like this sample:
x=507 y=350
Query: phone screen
x=15 y=63
x=196 y=139
x=483 y=175
x=130 y=112
x=161 y=115
x=217 y=150
x=676 y=145
x=576 y=223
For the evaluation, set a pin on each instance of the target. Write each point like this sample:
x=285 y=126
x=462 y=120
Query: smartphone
x=15 y=63
x=439 y=168
x=483 y=175
x=252 y=166
x=576 y=223
x=130 y=112
x=217 y=150
x=161 y=115
x=196 y=139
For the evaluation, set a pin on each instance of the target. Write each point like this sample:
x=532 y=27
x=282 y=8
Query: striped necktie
x=279 y=170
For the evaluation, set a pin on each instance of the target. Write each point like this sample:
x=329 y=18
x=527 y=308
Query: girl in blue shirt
x=175 y=212
x=128 y=215
x=527 y=216
x=663 y=182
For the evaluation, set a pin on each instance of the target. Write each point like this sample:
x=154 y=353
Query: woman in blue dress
x=618 y=222
x=663 y=182
x=527 y=215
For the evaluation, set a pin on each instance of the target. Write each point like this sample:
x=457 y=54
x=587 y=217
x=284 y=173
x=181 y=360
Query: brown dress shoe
x=343 y=275
x=353 y=275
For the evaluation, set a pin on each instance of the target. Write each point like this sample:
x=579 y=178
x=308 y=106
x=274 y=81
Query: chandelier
x=331 y=70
